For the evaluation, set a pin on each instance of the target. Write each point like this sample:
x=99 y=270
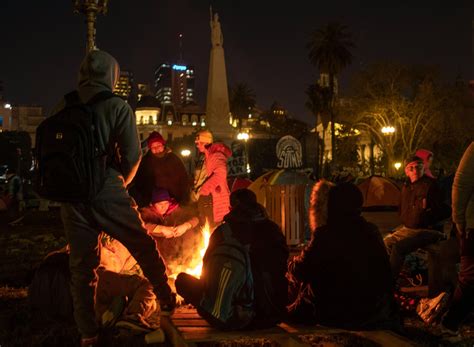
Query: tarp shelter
x=379 y=192
x=238 y=183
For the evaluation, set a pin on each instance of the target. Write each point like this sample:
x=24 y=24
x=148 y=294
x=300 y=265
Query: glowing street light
x=388 y=130
x=185 y=153
x=243 y=136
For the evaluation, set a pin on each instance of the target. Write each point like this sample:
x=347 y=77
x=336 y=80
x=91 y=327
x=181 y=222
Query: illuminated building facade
x=174 y=84
x=124 y=87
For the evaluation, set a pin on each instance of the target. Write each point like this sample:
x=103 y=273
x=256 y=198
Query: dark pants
x=463 y=299
x=190 y=288
x=115 y=213
x=406 y=240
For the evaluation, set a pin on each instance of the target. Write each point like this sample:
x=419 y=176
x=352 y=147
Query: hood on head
x=318 y=206
x=99 y=68
x=219 y=147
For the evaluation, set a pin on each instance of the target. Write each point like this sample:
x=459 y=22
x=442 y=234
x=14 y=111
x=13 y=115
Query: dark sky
x=42 y=42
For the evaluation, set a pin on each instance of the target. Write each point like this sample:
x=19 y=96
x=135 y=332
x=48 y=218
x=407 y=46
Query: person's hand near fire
x=182 y=228
x=155 y=216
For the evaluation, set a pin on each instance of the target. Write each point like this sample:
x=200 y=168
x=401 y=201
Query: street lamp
x=388 y=130
x=243 y=136
x=185 y=153
x=90 y=8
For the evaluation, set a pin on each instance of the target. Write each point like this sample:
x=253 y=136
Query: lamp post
x=90 y=8
x=388 y=131
x=185 y=153
x=244 y=136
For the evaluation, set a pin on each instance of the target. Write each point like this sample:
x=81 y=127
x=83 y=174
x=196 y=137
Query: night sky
x=43 y=42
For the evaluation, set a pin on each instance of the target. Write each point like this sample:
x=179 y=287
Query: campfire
x=194 y=267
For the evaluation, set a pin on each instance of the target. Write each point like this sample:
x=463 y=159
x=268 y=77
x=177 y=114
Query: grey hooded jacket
x=117 y=129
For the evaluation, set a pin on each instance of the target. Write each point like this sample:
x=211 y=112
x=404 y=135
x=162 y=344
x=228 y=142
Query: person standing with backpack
x=108 y=206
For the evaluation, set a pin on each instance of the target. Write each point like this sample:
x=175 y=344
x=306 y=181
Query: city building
x=142 y=90
x=26 y=118
x=125 y=87
x=170 y=121
x=174 y=84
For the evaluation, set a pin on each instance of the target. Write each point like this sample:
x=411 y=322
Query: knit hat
x=412 y=159
x=204 y=136
x=160 y=194
x=155 y=137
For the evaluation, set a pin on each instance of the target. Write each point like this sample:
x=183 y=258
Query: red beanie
x=155 y=137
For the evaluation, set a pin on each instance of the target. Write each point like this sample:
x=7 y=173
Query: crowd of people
x=345 y=277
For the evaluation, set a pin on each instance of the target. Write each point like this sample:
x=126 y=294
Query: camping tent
x=238 y=183
x=379 y=192
x=277 y=177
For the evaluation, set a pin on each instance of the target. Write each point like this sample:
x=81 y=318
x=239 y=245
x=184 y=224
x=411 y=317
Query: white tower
x=217 y=106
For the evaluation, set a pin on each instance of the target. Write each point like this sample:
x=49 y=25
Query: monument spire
x=217 y=106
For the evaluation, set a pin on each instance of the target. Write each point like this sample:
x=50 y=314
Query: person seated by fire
x=210 y=189
x=121 y=300
x=342 y=278
x=422 y=212
x=243 y=283
x=174 y=228
x=160 y=167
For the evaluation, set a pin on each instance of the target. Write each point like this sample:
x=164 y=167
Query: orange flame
x=196 y=268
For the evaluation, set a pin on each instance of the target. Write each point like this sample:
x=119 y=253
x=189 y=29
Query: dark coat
x=347 y=269
x=269 y=261
x=166 y=172
x=421 y=204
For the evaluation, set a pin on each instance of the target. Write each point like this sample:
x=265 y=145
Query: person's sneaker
x=448 y=335
x=135 y=324
x=168 y=306
x=114 y=311
x=156 y=336
x=90 y=341
x=430 y=310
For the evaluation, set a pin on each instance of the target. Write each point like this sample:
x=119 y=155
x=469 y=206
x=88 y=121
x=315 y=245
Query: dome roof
x=148 y=101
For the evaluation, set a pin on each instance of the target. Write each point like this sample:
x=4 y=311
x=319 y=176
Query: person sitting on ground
x=160 y=168
x=224 y=295
x=421 y=210
x=121 y=300
x=342 y=278
x=268 y=256
x=174 y=229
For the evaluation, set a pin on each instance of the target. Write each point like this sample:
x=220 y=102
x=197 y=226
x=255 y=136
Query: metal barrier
x=285 y=206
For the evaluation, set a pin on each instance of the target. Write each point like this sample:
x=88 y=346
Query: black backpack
x=49 y=293
x=70 y=165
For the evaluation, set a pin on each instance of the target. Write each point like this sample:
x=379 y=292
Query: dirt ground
x=23 y=246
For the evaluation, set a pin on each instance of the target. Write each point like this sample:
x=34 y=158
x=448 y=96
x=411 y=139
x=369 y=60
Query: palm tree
x=329 y=51
x=318 y=104
x=242 y=100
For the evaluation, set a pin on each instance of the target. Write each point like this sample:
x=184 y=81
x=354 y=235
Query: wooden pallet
x=194 y=331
